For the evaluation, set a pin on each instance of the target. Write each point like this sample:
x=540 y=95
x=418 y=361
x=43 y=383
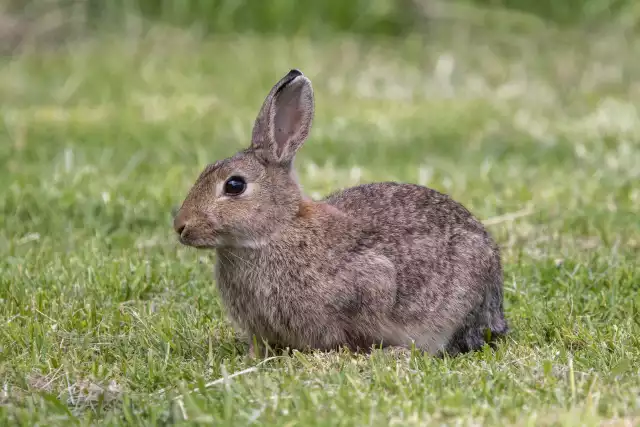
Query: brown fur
x=306 y=209
x=377 y=264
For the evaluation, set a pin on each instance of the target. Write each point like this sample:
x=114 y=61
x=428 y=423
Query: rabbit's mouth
x=188 y=239
x=219 y=242
x=197 y=245
x=224 y=242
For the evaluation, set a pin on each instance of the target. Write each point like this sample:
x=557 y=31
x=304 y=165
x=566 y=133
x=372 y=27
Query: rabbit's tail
x=483 y=325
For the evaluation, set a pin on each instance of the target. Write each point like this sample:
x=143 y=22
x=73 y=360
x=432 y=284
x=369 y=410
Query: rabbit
x=379 y=264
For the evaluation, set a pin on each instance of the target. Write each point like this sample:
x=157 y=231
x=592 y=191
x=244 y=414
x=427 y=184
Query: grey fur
x=377 y=264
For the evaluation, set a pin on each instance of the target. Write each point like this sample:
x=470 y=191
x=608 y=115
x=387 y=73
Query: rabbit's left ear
x=285 y=118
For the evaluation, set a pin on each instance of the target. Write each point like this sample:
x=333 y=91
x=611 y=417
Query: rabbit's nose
x=179 y=224
x=180 y=228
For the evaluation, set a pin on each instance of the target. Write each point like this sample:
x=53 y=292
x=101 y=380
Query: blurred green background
x=379 y=17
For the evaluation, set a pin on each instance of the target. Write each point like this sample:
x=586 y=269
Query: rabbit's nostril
x=179 y=223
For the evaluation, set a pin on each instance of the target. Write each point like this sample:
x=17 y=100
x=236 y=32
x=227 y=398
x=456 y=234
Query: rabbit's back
x=401 y=218
x=409 y=207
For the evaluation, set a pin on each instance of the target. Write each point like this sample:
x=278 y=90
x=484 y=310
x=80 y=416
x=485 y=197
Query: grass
x=106 y=319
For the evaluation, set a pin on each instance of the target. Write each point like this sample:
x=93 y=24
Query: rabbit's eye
x=235 y=186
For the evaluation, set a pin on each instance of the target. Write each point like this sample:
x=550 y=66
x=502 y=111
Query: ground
x=106 y=318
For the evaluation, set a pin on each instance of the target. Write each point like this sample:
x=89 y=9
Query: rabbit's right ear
x=285 y=118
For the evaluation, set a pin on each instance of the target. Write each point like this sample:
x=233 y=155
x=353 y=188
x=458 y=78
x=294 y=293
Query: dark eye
x=235 y=186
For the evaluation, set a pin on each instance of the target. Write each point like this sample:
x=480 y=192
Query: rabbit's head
x=243 y=200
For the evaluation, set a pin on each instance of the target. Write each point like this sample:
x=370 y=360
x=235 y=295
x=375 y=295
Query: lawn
x=105 y=318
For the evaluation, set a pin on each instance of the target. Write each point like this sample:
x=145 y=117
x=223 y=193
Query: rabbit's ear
x=284 y=120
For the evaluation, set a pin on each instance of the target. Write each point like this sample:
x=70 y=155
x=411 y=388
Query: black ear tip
x=286 y=80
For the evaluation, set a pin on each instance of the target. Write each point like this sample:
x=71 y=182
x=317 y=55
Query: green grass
x=104 y=318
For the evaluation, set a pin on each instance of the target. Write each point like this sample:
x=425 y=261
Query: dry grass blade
x=512 y=216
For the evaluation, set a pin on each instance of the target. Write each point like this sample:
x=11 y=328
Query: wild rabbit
x=378 y=264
